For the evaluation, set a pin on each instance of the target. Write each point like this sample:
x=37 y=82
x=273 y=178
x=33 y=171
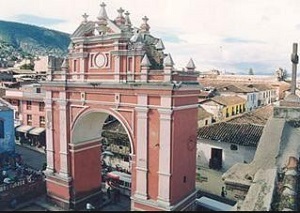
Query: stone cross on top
x=85 y=16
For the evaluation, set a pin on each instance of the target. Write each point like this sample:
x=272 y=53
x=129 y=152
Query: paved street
x=212 y=185
x=32 y=158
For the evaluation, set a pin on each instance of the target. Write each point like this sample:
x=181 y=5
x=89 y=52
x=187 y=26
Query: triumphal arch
x=116 y=69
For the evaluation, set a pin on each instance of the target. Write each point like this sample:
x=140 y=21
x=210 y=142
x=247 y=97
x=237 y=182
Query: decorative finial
x=145 y=19
x=145 y=26
x=120 y=11
x=191 y=65
x=85 y=16
x=127 y=20
x=120 y=20
x=102 y=4
x=127 y=13
x=168 y=61
x=102 y=13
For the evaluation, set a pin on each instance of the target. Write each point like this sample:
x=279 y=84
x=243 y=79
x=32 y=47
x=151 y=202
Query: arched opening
x=100 y=146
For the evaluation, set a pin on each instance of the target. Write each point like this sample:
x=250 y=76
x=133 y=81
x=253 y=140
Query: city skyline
x=231 y=36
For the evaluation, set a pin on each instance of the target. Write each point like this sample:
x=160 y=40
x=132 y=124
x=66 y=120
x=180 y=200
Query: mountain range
x=23 y=40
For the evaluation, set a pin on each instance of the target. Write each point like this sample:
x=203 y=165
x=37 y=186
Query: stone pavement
x=211 y=186
x=212 y=180
x=32 y=156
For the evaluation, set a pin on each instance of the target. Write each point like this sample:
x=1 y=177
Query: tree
x=251 y=71
x=281 y=74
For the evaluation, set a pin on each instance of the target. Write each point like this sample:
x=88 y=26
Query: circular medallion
x=100 y=60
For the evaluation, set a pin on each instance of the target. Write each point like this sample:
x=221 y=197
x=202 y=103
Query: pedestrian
x=108 y=193
x=223 y=193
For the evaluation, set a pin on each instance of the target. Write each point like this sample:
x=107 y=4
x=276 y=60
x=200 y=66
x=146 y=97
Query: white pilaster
x=63 y=135
x=49 y=133
x=144 y=74
x=117 y=68
x=167 y=74
x=142 y=148
x=81 y=69
x=165 y=152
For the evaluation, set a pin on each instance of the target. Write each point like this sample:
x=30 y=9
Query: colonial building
x=7 y=131
x=44 y=64
x=266 y=94
x=224 y=107
x=29 y=113
x=224 y=144
x=249 y=94
x=271 y=81
x=204 y=118
x=116 y=69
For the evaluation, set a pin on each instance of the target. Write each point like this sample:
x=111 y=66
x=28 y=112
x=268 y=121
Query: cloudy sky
x=228 y=35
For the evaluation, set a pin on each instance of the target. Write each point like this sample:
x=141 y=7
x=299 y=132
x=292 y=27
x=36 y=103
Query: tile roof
x=234 y=88
x=242 y=134
x=228 y=100
x=260 y=87
x=256 y=117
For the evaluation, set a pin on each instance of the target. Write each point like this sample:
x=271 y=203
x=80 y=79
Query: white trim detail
x=63 y=140
x=49 y=133
x=141 y=148
x=117 y=68
x=81 y=68
x=164 y=154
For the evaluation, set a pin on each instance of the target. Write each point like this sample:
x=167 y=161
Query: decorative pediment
x=84 y=29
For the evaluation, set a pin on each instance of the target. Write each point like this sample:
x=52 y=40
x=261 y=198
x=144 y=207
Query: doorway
x=215 y=161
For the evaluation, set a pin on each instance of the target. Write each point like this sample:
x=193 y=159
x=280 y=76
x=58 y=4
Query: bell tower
x=116 y=69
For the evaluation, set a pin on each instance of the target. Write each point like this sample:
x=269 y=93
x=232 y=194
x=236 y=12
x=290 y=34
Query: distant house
x=206 y=94
x=266 y=94
x=224 y=107
x=249 y=94
x=28 y=102
x=204 y=117
x=7 y=131
x=47 y=63
x=224 y=144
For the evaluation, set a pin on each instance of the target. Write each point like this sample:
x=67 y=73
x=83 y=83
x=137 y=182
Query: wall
x=8 y=142
x=201 y=123
x=230 y=157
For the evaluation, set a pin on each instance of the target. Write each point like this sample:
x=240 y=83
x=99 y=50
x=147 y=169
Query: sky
x=228 y=35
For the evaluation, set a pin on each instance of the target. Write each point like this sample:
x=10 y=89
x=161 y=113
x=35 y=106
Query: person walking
x=108 y=193
x=223 y=193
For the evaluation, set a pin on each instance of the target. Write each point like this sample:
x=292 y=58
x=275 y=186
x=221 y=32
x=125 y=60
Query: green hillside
x=33 y=40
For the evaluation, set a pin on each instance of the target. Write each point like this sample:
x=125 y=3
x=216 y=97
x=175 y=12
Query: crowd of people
x=13 y=169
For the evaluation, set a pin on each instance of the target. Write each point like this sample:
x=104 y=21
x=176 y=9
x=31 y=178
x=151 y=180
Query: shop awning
x=17 y=125
x=24 y=128
x=37 y=131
